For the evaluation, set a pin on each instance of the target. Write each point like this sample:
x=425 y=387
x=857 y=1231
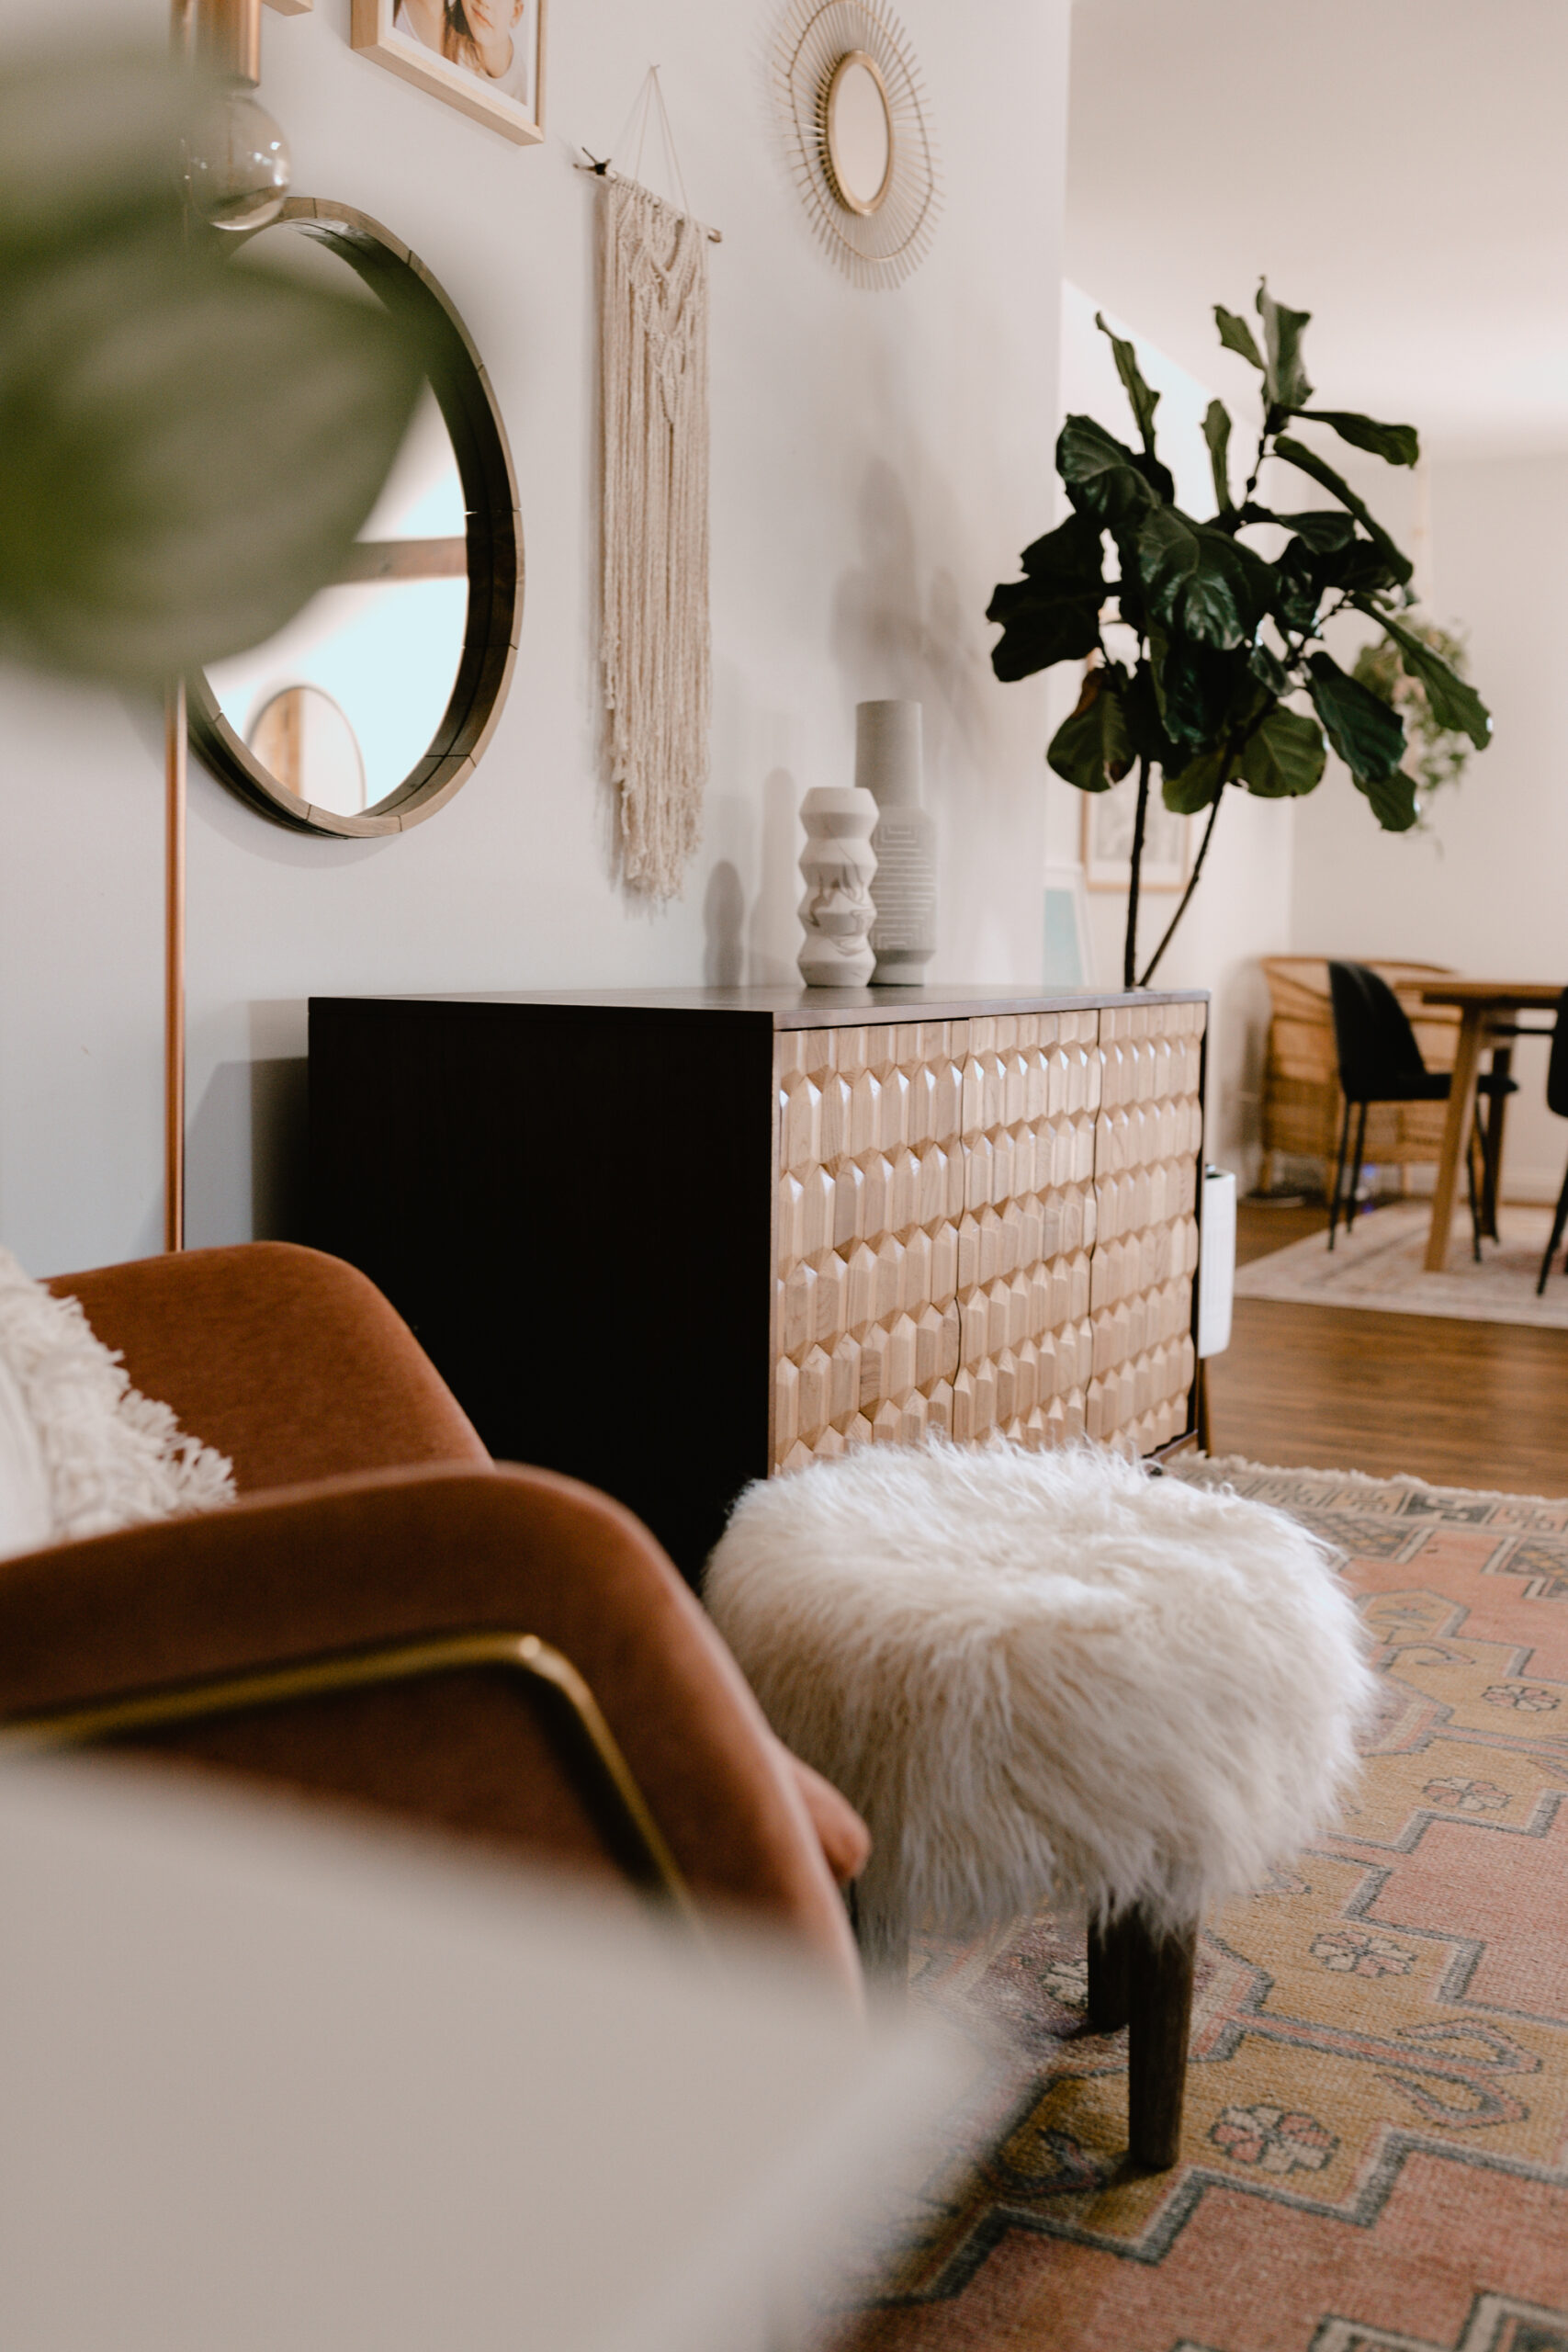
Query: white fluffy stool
x=1051 y=1676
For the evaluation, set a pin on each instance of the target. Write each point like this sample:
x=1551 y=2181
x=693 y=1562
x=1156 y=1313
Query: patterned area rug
x=1375 y=2148
x=1378 y=1264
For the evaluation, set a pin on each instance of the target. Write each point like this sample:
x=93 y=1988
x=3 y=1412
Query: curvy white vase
x=838 y=862
x=889 y=765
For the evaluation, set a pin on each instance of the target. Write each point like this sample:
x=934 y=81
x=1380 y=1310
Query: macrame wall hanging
x=655 y=510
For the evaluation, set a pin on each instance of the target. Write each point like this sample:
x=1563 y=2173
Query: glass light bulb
x=236 y=170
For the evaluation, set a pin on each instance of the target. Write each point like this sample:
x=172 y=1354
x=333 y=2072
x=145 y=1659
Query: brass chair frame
x=649 y=1862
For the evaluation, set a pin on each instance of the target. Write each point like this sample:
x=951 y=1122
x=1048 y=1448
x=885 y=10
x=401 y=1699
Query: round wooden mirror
x=371 y=708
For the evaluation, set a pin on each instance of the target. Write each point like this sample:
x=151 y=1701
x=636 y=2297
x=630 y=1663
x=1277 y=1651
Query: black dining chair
x=1557 y=1100
x=1380 y=1062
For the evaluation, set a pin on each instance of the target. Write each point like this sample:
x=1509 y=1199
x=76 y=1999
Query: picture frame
x=490 y=64
x=1108 y=820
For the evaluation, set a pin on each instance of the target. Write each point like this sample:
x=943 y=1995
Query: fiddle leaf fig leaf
x=1453 y=702
x=1196 y=786
x=1052 y=613
x=1307 y=461
x=1392 y=800
x=1284 y=377
x=1397 y=445
x=1368 y=736
x=1143 y=399
x=1092 y=748
x=1321 y=529
x=1101 y=476
x=1296 y=594
x=1199 y=582
x=1140 y=708
x=1236 y=336
x=1268 y=670
x=1284 y=756
x=1217 y=434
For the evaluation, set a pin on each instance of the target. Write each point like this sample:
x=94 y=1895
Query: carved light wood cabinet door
x=986 y=1225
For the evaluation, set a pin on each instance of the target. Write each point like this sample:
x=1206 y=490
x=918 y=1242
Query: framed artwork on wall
x=1107 y=819
x=485 y=57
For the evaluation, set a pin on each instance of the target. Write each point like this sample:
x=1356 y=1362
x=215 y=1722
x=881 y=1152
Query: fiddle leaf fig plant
x=1208 y=664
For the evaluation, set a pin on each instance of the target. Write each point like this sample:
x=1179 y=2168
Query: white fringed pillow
x=81 y=1452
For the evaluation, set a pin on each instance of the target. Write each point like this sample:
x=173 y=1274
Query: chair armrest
x=289 y=1362
x=398 y=1555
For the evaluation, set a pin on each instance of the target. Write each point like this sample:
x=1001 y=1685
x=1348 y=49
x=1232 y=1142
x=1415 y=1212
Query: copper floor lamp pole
x=175 y=966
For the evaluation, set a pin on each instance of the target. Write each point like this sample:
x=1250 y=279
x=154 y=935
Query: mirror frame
x=495 y=536
x=857 y=60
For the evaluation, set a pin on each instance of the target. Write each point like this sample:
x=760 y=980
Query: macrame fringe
x=112 y=1457
x=655 y=638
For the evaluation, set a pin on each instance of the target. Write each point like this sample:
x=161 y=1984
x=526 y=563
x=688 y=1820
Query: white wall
x=1241 y=909
x=878 y=459
x=1484 y=890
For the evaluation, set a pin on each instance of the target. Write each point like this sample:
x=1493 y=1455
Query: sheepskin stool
x=1051 y=1677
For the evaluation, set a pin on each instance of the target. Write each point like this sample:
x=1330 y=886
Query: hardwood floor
x=1461 y=1404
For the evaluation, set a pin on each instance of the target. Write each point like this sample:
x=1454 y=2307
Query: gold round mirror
x=371 y=708
x=858 y=123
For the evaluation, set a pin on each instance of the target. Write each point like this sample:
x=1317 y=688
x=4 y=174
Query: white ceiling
x=1397 y=168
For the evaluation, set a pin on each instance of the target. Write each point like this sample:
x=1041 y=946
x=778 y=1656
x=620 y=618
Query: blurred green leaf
x=1199 y=582
x=187 y=450
x=1217 y=434
x=1092 y=748
x=1143 y=400
x=1454 y=703
x=1236 y=336
x=1284 y=756
x=1391 y=798
x=1284 y=377
x=1366 y=733
x=1052 y=613
x=1397 y=445
x=1196 y=786
x=1102 y=477
x=1307 y=461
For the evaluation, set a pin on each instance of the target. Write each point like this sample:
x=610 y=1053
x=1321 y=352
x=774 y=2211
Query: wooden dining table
x=1482 y=1004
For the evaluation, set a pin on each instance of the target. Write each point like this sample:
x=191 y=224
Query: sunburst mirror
x=858 y=131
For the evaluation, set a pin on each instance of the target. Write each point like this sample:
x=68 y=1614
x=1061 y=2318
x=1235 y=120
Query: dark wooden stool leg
x=1160 y=1987
x=1109 y=1982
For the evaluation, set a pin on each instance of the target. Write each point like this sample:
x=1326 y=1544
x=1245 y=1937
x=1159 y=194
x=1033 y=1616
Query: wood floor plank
x=1337 y=1388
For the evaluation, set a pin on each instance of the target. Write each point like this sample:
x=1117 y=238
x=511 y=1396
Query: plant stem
x=1130 y=945
x=1181 y=909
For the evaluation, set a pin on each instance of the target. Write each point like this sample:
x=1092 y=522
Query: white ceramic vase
x=838 y=862
x=889 y=765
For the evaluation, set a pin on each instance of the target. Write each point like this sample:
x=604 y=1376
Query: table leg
x=1456 y=1131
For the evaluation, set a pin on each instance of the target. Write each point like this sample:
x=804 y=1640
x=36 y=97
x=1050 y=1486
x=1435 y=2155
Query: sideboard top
x=794 y=1007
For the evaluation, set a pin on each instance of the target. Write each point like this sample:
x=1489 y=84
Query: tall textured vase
x=838 y=863
x=889 y=765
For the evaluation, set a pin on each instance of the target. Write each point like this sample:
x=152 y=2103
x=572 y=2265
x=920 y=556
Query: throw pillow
x=82 y=1452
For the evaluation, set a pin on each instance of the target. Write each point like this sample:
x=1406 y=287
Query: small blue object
x=1064 y=955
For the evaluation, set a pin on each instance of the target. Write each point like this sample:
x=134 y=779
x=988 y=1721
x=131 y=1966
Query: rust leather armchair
x=371 y=1523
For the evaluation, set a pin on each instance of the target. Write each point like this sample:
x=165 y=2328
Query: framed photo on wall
x=1108 y=820
x=485 y=57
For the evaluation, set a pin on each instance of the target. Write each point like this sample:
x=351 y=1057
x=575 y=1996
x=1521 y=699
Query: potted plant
x=1216 y=675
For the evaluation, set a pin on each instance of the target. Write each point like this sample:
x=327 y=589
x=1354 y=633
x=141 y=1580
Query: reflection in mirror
x=384 y=643
x=369 y=709
x=303 y=739
x=860 y=133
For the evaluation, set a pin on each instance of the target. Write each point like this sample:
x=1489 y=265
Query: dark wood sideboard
x=669 y=1240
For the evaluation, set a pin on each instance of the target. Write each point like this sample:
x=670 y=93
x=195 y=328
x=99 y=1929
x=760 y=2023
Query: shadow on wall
x=891 y=637
x=246 y=1155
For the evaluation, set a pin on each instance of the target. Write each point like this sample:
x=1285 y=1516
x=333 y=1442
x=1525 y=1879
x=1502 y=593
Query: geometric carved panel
x=983 y=1225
